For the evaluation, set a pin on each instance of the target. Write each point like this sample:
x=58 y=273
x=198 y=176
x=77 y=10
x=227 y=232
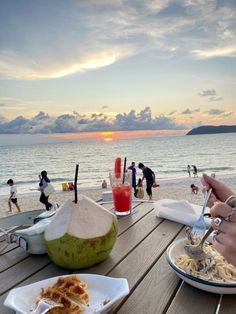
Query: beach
x=178 y=189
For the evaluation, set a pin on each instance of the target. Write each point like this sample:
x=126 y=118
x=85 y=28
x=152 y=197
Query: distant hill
x=210 y=129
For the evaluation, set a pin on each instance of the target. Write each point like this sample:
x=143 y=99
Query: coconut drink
x=80 y=234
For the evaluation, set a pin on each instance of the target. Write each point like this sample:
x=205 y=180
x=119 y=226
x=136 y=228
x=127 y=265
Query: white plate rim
x=83 y=276
x=191 y=277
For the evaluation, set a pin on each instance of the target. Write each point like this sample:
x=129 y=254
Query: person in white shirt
x=13 y=196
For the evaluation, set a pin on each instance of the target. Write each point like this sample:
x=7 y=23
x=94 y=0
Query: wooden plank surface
x=139 y=256
x=157 y=288
x=12 y=257
x=126 y=242
x=228 y=304
x=14 y=275
x=192 y=300
x=146 y=255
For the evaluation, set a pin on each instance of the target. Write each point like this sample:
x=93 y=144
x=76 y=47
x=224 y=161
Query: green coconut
x=80 y=235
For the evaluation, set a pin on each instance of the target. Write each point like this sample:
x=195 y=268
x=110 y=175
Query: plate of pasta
x=213 y=274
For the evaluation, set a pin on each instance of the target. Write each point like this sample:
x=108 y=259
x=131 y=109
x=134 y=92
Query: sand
x=178 y=189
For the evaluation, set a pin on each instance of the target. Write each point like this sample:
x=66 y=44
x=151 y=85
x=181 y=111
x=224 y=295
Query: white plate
x=100 y=288
x=174 y=251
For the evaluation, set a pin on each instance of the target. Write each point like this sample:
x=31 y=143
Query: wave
x=217 y=169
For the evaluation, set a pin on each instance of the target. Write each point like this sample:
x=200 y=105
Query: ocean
x=168 y=156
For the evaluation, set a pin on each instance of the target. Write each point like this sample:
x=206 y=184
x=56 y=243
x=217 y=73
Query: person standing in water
x=189 y=170
x=195 y=175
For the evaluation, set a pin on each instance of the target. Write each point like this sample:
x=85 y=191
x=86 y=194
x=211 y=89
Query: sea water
x=168 y=156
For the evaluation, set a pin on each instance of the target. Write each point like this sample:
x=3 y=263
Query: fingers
x=212 y=200
x=223 y=210
x=224 y=227
x=228 y=254
x=220 y=190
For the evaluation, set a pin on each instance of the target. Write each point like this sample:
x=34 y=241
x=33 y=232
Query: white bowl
x=174 y=251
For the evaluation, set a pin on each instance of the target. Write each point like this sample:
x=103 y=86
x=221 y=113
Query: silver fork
x=44 y=305
x=196 y=251
x=199 y=227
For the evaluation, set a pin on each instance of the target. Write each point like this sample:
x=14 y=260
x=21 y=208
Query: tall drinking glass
x=121 y=192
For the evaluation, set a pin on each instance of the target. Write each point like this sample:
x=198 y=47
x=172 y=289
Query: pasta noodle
x=213 y=268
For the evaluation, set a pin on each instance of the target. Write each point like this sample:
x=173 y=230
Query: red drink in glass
x=122 y=198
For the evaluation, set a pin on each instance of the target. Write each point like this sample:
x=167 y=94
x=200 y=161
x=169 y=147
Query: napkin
x=180 y=211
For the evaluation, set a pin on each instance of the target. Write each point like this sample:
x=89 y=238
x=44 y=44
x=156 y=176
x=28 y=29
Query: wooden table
x=139 y=256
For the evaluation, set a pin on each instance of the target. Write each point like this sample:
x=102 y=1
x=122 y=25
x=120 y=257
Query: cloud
x=171 y=113
x=58 y=38
x=2 y=105
x=211 y=94
x=2 y=119
x=227 y=114
x=190 y=111
x=207 y=93
x=72 y=123
x=215 y=112
x=217 y=52
x=105 y=107
x=215 y=98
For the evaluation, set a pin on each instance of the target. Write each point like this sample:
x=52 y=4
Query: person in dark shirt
x=149 y=175
x=43 y=182
x=133 y=169
x=194 y=171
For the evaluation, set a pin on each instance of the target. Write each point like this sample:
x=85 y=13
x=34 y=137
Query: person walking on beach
x=149 y=175
x=189 y=170
x=43 y=183
x=13 y=196
x=195 y=171
x=133 y=169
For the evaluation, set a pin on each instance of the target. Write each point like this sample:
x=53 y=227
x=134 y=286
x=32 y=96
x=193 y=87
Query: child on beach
x=13 y=196
x=139 y=193
x=194 y=188
x=104 y=184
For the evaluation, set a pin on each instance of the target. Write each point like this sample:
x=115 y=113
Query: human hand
x=224 y=241
x=220 y=192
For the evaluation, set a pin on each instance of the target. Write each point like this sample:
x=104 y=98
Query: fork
x=44 y=305
x=196 y=251
x=199 y=227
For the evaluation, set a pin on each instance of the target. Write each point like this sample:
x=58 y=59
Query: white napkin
x=180 y=211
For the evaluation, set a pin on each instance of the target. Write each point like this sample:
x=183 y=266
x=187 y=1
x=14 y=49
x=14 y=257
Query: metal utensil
x=44 y=305
x=199 y=227
x=196 y=251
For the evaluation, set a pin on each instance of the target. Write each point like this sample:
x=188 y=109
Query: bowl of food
x=213 y=273
x=75 y=293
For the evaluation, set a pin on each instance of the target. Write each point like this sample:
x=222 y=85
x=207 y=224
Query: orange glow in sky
x=116 y=135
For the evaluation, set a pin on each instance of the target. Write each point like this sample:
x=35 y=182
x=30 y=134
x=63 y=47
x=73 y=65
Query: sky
x=69 y=66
